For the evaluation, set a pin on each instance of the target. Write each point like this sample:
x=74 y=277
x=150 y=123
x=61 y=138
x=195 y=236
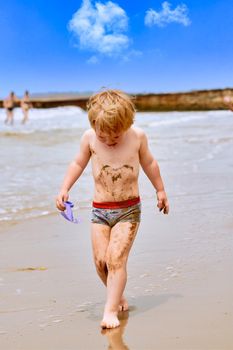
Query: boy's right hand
x=163 y=204
x=62 y=197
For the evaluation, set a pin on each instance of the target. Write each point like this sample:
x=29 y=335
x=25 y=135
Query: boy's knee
x=101 y=265
x=115 y=261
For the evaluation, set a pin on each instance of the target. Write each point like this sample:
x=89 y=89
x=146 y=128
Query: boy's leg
x=100 y=240
x=121 y=240
x=100 y=235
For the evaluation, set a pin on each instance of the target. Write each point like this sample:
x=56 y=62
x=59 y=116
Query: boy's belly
x=116 y=184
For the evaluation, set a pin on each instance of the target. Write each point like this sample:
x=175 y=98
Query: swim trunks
x=110 y=213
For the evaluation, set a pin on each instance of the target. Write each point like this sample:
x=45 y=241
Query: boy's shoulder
x=88 y=134
x=138 y=132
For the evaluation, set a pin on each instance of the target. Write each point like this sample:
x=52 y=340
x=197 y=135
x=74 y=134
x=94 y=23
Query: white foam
x=45 y=120
x=178 y=119
x=164 y=119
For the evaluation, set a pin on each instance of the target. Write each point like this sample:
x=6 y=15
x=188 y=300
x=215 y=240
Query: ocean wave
x=177 y=119
x=54 y=119
x=74 y=118
x=171 y=118
x=44 y=113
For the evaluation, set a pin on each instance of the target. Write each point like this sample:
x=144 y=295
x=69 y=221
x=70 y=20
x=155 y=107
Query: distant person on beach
x=228 y=102
x=25 y=106
x=9 y=104
x=117 y=149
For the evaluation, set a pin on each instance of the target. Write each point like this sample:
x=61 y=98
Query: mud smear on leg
x=121 y=250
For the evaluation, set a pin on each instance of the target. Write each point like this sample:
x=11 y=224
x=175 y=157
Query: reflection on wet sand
x=115 y=335
x=144 y=303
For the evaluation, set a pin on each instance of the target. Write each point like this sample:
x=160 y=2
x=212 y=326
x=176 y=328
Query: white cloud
x=93 y=60
x=166 y=15
x=100 y=28
x=131 y=55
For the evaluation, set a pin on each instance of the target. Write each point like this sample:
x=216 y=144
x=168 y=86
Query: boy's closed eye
x=101 y=138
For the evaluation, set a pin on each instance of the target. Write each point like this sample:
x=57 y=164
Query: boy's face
x=109 y=139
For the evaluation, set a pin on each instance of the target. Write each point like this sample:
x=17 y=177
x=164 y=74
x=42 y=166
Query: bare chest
x=115 y=164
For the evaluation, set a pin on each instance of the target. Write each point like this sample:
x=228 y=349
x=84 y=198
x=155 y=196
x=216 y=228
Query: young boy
x=116 y=150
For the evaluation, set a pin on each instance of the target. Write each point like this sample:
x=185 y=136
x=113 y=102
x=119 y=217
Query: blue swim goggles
x=68 y=214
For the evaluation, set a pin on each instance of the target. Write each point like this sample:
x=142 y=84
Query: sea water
x=194 y=150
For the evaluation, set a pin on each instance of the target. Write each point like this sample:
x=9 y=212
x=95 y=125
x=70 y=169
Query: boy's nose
x=110 y=141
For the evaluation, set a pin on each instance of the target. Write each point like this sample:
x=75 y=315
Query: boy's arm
x=151 y=169
x=74 y=171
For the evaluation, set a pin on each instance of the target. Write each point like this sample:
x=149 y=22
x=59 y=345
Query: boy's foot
x=123 y=306
x=110 y=320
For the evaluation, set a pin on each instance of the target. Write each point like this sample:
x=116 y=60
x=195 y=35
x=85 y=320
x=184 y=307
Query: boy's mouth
x=112 y=144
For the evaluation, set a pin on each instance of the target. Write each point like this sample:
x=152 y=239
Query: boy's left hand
x=163 y=204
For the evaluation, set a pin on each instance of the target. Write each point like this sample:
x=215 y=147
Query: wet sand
x=179 y=287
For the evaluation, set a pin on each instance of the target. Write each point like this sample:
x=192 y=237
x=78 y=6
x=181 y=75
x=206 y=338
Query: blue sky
x=137 y=46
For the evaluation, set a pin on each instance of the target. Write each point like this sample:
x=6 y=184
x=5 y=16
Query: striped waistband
x=116 y=205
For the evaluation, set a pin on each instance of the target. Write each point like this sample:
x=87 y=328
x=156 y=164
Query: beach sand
x=179 y=286
x=180 y=269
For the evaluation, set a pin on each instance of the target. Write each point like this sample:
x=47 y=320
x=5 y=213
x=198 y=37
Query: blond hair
x=111 y=111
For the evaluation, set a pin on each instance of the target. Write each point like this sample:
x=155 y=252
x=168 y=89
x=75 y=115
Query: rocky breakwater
x=200 y=100
x=55 y=101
